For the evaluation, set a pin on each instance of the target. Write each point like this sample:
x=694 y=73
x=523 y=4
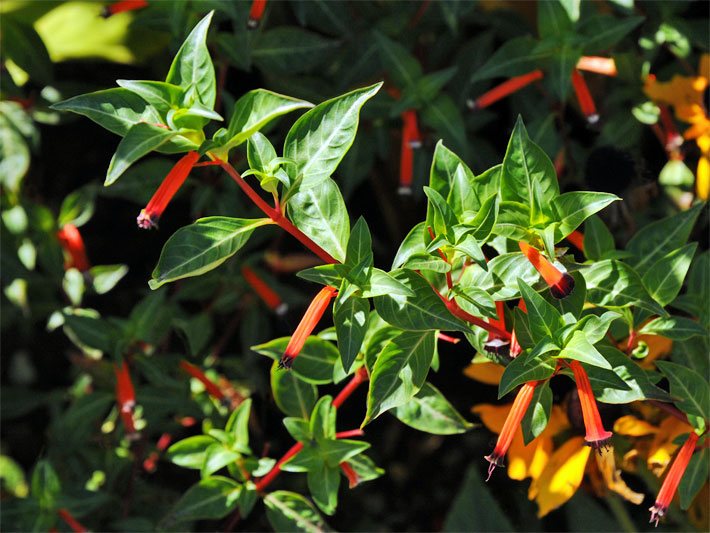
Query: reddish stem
x=72 y=522
x=359 y=377
x=632 y=340
x=449 y=280
x=276 y=215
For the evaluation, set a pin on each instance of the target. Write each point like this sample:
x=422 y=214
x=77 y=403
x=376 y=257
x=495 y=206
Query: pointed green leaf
x=293 y=396
x=538 y=414
x=314 y=363
x=598 y=240
x=573 y=208
x=665 y=278
x=288 y=511
x=323 y=485
x=211 y=498
x=580 y=349
x=695 y=476
x=350 y=319
x=140 y=140
x=688 y=388
x=532 y=366
x=161 y=95
x=202 y=246
x=431 y=412
x=320 y=138
x=543 y=318
x=674 y=327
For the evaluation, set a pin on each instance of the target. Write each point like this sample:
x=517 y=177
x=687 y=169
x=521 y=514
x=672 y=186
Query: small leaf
x=543 y=318
x=573 y=208
x=665 y=278
x=190 y=452
x=288 y=511
x=580 y=349
x=292 y=395
x=674 y=327
x=598 y=240
x=350 y=319
x=140 y=140
x=105 y=277
x=538 y=414
x=314 y=363
x=690 y=389
x=211 y=498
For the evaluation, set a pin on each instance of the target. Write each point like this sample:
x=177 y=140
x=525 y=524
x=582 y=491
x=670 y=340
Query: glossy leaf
x=598 y=240
x=288 y=511
x=314 y=363
x=211 y=498
x=319 y=211
x=192 y=67
x=688 y=388
x=527 y=367
x=190 y=452
x=665 y=278
x=517 y=56
x=351 y=319
x=292 y=395
x=399 y=372
x=580 y=349
x=320 y=138
x=140 y=140
x=543 y=318
x=291 y=50
x=538 y=414
x=695 y=476
x=674 y=327
x=573 y=208
x=161 y=95
x=202 y=246
x=431 y=412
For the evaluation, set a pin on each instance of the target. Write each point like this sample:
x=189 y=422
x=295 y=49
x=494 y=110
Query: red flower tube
x=123 y=5
x=125 y=397
x=560 y=283
x=308 y=323
x=353 y=478
x=506 y=88
x=256 y=13
x=72 y=522
x=584 y=97
x=675 y=474
x=267 y=294
x=673 y=139
x=511 y=425
x=72 y=243
x=172 y=182
x=495 y=344
x=598 y=65
x=161 y=446
x=211 y=388
x=577 y=239
x=596 y=436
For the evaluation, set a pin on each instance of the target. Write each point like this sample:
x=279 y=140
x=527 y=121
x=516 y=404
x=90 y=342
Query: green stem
x=619 y=511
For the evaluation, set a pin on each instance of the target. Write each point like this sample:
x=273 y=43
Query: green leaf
x=359 y=249
x=451 y=177
x=611 y=283
x=573 y=208
x=192 y=67
x=517 y=56
x=314 y=363
x=398 y=62
x=380 y=283
x=598 y=240
x=256 y=109
x=161 y=95
x=399 y=372
x=217 y=456
x=638 y=385
x=580 y=349
x=211 y=498
x=350 y=319
x=117 y=110
x=598 y=33
x=190 y=452
x=323 y=485
x=688 y=388
x=553 y=20
x=695 y=476
x=412 y=244
x=238 y=425
x=538 y=414
x=140 y=140
x=532 y=366
x=543 y=318
x=424 y=311
x=561 y=63
x=260 y=153
x=323 y=274
x=291 y=50
x=45 y=485
x=440 y=217
x=23 y=45
x=202 y=246
x=658 y=239
x=320 y=138
x=365 y=468
x=674 y=327
x=288 y=511
x=665 y=278
x=105 y=277
x=292 y=395
x=444 y=116
x=595 y=327
x=485 y=513
x=431 y=412
x=320 y=212
x=323 y=420
x=78 y=207
x=526 y=166
x=428 y=262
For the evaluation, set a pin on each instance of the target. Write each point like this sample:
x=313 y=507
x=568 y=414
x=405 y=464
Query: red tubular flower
x=291 y=262
x=673 y=139
x=411 y=127
x=308 y=323
x=256 y=13
x=675 y=473
x=211 y=388
x=560 y=283
x=577 y=239
x=447 y=338
x=495 y=344
x=511 y=425
x=267 y=294
x=406 y=160
x=353 y=478
x=125 y=397
x=506 y=88
x=515 y=348
x=584 y=97
x=598 y=65
x=72 y=522
x=161 y=446
x=596 y=436
x=172 y=182
x=123 y=5
x=72 y=243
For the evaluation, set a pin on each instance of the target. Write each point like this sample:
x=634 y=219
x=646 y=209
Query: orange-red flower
x=72 y=243
x=125 y=396
x=506 y=88
x=256 y=13
x=123 y=5
x=173 y=181
x=596 y=436
x=675 y=473
x=268 y=295
x=584 y=97
x=307 y=325
x=560 y=283
x=211 y=388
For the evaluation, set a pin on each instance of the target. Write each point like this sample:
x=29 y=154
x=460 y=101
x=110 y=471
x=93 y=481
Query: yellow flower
x=488 y=373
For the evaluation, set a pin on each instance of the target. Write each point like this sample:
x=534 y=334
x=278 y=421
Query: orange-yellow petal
x=702 y=178
x=633 y=427
x=611 y=476
x=662 y=447
x=488 y=373
x=658 y=347
x=492 y=416
x=561 y=477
